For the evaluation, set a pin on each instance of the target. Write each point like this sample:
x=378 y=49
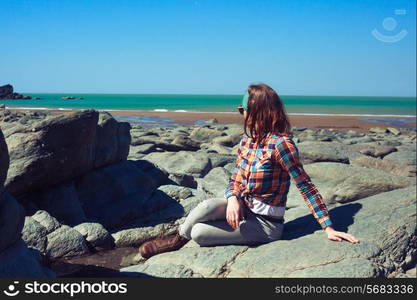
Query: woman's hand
x=339 y=235
x=234 y=212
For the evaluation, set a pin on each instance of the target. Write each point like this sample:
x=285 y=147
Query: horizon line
x=206 y=94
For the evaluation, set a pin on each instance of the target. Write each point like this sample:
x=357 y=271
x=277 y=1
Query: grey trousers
x=206 y=224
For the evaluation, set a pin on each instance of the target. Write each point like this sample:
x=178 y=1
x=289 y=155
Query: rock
x=380 y=151
x=212 y=121
x=385 y=165
x=357 y=140
x=215 y=148
x=61 y=201
x=65 y=242
x=112 y=140
x=35 y=154
x=12 y=217
x=19 y=261
x=134 y=237
x=186 y=143
x=214 y=183
x=34 y=234
x=343 y=183
x=220 y=160
x=46 y=220
x=228 y=140
x=96 y=235
x=144 y=148
x=325 y=152
x=6 y=92
x=4 y=159
x=116 y=194
x=394 y=130
x=183 y=162
x=315 y=135
x=402 y=157
x=379 y=253
x=176 y=192
x=377 y=130
x=203 y=134
x=190 y=262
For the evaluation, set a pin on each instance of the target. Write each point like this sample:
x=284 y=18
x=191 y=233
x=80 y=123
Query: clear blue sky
x=320 y=47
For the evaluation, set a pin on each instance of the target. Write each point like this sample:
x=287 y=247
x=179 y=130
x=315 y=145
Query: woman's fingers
x=348 y=237
x=241 y=214
x=237 y=219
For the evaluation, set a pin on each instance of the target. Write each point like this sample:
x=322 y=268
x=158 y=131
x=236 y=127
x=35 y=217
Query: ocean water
x=380 y=106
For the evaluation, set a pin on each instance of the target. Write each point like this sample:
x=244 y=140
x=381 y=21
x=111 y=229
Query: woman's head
x=265 y=113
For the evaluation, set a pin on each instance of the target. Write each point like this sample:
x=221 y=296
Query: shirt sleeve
x=234 y=184
x=288 y=156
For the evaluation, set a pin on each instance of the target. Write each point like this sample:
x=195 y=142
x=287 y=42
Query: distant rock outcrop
x=6 y=92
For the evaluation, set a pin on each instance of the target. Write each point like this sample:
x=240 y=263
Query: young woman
x=252 y=209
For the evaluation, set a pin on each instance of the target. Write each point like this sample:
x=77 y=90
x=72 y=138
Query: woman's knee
x=212 y=204
x=199 y=234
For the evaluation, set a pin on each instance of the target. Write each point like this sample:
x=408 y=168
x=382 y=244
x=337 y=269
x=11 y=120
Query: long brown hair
x=266 y=113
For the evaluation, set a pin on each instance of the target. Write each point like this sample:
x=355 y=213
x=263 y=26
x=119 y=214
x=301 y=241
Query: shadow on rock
x=341 y=216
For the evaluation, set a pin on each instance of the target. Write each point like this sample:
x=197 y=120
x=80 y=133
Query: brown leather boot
x=170 y=243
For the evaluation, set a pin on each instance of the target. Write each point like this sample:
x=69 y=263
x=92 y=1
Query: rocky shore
x=79 y=192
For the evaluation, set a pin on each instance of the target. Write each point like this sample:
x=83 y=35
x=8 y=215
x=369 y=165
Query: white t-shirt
x=265 y=209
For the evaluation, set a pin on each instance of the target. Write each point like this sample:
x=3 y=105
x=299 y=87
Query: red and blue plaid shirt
x=263 y=172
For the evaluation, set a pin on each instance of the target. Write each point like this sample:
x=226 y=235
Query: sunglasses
x=240 y=109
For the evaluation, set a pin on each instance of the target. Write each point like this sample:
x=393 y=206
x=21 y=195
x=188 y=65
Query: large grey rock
x=36 y=154
x=190 y=262
x=116 y=194
x=343 y=183
x=60 y=201
x=385 y=224
x=65 y=242
x=12 y=217
x=183 y=162
x=73 y=143
x=380 y=251
x=112 y=140
x=4 y=160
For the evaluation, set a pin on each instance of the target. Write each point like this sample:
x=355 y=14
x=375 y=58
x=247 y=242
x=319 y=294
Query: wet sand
x=336 y=122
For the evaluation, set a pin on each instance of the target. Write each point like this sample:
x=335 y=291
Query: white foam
x=161 y=110
x=180 y=110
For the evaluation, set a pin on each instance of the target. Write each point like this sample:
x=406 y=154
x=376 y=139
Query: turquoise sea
x=398 y=106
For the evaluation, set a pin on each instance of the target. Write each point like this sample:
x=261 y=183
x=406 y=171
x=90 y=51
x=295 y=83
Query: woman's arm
x=288 y=156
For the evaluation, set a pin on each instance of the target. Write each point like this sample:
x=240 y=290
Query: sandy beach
x=337 y=122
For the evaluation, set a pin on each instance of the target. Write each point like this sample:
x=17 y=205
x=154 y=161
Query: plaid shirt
x=263 y=172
